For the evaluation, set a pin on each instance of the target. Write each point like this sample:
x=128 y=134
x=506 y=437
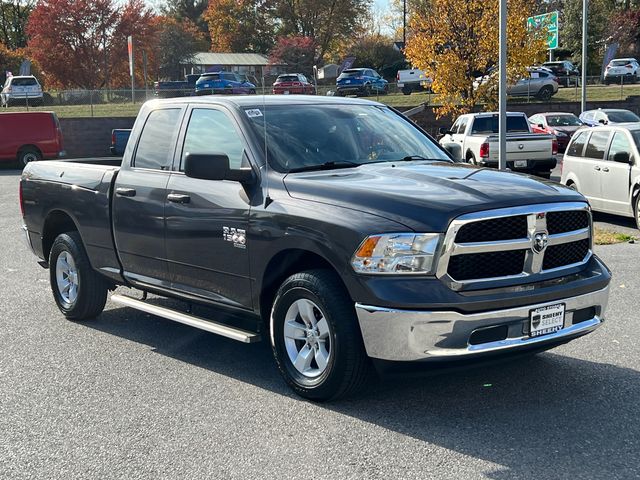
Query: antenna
x=267 y=199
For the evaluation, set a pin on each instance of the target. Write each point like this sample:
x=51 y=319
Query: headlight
x=397 y=253
x=558 y=133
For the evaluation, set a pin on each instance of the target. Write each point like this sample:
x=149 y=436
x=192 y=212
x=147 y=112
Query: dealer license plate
x=520 y=163
x=347 y=81
x=545 y=320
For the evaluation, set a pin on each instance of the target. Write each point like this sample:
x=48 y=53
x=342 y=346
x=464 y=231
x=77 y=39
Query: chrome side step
x=191 y=320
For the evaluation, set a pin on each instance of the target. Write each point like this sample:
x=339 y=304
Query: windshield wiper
x=325 y=166
x=408 y=158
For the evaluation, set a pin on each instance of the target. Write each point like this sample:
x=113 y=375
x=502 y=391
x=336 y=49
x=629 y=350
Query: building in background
x=250 y=64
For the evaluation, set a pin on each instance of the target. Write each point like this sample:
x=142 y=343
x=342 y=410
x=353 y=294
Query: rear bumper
x=409 y=336
x=537 y=165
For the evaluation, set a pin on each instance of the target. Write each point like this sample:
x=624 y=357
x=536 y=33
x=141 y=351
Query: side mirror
x=602 y=121
x=622 y=157
x=540 y=125
x=215 y=166
x=444 y=131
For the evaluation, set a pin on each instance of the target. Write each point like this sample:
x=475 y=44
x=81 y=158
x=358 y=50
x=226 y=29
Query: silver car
x=603 y=165
x=540 y=83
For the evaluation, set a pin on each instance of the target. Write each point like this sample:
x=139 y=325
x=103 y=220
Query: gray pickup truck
x=335 y=228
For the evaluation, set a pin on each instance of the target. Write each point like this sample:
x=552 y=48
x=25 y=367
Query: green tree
x=376 y=51
x=176 y=45
x=14 y=16
x=191 y=10
x=600 y=13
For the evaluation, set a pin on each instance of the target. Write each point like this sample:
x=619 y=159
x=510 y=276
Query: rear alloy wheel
x=637 y=211
x=472 y=159
x=545 y=93
x=78 y=290
x=316 y=338
x=28 y=155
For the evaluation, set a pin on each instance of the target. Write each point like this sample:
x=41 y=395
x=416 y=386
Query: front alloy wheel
x=307 y=338
x=316 y=338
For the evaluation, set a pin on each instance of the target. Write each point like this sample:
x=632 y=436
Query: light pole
x=585 y=11
x=404 y=23
x=502 y=90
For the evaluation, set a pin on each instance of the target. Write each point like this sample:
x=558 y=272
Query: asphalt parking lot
x=133 y=396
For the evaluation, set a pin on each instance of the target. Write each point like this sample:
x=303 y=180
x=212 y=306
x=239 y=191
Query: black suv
x=564 y=70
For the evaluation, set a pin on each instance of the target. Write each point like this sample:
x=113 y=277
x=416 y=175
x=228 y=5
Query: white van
x=604 y=165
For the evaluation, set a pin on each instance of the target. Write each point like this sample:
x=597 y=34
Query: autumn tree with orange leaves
x=83 y=43
x=456 y=41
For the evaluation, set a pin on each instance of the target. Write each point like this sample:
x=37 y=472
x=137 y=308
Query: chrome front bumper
x=406 y=335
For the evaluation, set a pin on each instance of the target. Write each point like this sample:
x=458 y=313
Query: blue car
x=360 y=81
x=607 y=116
x=223 y=82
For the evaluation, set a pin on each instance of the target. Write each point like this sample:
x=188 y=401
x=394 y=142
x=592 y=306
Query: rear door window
x=156 y=144
x=463 y=125
x=597 y=144
x=577 y=145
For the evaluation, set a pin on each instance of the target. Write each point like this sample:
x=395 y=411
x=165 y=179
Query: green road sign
x=548 y=21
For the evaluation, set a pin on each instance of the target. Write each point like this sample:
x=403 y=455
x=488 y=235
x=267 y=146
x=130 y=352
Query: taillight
x=20 y=199
x=397 y=76
x=484 y=150
x=629 y=66
x=555 y=79
x=554 y=146
x=113 y=137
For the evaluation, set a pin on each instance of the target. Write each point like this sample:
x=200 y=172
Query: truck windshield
x=515 y=124
x=623 y=116
x=305 y=136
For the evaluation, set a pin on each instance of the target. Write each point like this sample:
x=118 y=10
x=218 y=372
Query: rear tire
x=78 y=290
x=637 y=211
x=406 y=90
x=472 y=159
x=27 y=155
x=545 y=93
x=316 y=339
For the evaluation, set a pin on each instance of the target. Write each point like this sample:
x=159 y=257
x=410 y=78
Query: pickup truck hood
x=423 y=196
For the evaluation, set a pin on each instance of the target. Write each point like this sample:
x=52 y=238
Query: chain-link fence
x=125 y=102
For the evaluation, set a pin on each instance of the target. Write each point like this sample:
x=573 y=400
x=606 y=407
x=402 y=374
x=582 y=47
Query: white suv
x=625 y=70
x=604 y=165
x=21 y=89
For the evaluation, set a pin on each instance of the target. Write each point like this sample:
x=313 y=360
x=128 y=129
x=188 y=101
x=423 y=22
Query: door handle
x=178 y=198
x=126 y=192
x=596 y=168
x=605 y=169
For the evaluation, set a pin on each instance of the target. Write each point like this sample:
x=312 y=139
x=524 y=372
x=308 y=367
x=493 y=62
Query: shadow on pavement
x=536 y=417
x=615 y=220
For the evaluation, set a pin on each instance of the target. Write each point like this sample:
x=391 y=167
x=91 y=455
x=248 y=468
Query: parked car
x=362 y=241
x=562 y=125
x=119 y=139
x=607 y=116
x=413 y=80
x=603 y=165
x=29 y=136
x=177 y=88
x=624 y=70
x=539 y=82
x=474 y=138
x=566 y=72
x=360 y=81
x=293 y=83
x=20 y=90
x=223 y=82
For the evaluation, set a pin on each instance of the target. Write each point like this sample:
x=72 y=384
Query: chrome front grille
x=515 y=243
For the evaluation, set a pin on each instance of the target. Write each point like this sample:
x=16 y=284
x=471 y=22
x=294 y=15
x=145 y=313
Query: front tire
x=315 y=337
x=78 y=290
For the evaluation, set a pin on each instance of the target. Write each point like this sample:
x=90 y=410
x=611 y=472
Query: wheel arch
x=28 y=146
x=56 y=223
x=284 y=264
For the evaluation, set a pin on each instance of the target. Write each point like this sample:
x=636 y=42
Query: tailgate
x=524 y=147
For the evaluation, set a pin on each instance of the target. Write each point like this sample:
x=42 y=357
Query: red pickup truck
x=29 y=136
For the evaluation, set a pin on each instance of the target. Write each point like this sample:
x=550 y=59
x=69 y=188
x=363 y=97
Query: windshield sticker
x=254 y=112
